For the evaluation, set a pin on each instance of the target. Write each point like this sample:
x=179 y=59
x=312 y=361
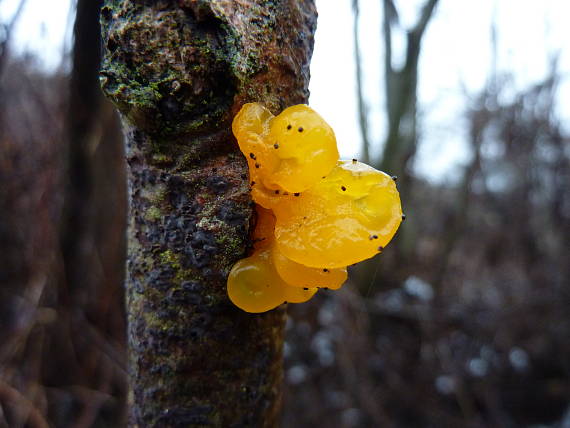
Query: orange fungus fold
x=316 y=214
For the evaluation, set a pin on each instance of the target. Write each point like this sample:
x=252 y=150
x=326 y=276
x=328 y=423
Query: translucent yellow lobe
x=285 y=154
x=345 y=218
x=253 y=284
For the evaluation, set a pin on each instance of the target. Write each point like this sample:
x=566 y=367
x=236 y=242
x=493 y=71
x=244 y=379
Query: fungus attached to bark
x=302 y=243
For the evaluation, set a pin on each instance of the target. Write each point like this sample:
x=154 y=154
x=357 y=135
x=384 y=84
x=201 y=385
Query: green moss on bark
x=169 y=73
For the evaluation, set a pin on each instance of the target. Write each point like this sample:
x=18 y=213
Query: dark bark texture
x=179 y=71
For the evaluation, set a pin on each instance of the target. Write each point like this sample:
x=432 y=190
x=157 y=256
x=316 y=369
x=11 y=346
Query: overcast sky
x=456 y=54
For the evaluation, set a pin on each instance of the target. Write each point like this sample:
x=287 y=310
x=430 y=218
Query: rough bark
x=179 y=71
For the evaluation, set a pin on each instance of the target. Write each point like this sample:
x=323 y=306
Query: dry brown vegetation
x=62 y=354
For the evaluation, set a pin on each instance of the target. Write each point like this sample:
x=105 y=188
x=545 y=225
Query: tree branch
x=416 y=34
x=425 y=16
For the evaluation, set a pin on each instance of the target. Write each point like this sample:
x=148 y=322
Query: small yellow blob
x=253 y=284
x=253 y=118
x=315 y=214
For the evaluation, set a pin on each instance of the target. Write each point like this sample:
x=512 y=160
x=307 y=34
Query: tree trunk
x=179 y=72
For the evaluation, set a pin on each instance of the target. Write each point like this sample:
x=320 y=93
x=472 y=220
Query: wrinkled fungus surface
x=316 y=214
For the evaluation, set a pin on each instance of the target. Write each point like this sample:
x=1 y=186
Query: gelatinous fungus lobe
x=293 y=273
x=285 y=154
x=305 y=146
x=341 y=220
x=253 y=284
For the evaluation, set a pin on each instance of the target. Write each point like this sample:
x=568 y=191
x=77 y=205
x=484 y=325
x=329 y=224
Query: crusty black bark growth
x=179 y=71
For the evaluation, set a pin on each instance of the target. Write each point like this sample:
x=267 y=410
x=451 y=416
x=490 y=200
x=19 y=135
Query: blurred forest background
x=464 y=321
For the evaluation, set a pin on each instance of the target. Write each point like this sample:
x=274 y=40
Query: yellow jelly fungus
x=305 y=146
x=316 y=214
x=285 y=154
x=347 y=217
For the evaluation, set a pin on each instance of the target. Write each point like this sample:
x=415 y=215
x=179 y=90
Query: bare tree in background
x=92 y=228
x=400 y=89
x=401 y=92
x=179 y=72
x=62 y=205
x=362 y=107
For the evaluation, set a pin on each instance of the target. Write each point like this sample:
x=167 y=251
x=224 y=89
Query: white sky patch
x=457 y=57
x=333 y=82
x=42 y=28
